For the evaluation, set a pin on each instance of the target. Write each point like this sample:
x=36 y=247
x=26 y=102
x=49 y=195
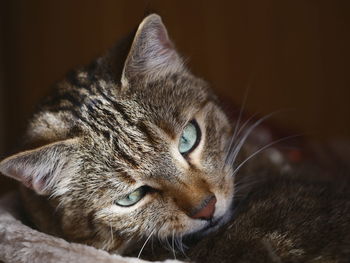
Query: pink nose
x=207 y=209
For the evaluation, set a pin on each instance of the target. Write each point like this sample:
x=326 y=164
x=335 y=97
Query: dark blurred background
x=294 y=54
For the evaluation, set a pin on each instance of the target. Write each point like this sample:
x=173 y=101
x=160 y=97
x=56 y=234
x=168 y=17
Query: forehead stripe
x=126 y=157
x=119 y=108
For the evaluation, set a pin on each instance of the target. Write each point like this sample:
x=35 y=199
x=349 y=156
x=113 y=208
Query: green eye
x=133 y=197
x=190 y=138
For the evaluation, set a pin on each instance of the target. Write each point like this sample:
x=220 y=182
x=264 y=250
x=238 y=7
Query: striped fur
x=125 y=115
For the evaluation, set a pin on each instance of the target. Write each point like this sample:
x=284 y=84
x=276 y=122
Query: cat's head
x=131 y=154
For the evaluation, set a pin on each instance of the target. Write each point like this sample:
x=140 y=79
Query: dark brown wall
x=293 y=53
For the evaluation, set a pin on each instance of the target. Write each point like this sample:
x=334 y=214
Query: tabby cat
x=134 y=146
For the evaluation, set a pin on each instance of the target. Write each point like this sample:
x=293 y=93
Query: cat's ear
x=152 y=54
x=44 y=168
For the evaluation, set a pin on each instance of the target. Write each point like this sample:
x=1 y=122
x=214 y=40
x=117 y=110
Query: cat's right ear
x=46 y=170
x=152 y=54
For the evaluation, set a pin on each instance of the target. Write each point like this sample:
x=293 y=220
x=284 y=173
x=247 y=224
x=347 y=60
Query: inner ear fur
x=43 y=168
x=152 y=54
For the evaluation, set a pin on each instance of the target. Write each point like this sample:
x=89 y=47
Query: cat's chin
x=213 y=225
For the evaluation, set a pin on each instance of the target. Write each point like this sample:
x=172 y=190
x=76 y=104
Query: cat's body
x=297 y=216
x=134 y=146
x=285 y=219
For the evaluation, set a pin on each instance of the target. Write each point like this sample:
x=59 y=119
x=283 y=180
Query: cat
x=134 y=147
x=128 y=146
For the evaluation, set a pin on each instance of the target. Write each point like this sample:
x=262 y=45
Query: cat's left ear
x=152 y=54
x=45 y=169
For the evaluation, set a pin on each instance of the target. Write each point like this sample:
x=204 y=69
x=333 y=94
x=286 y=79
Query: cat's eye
x=190 y=138
x=133 y=197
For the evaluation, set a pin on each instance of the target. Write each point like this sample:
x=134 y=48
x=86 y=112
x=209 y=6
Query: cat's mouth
x=212 y=225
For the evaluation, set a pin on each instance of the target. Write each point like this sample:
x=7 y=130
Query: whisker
x=181 y=246
x=110 y=226
x=168 y=244
x=165 y=240
x=241 y=112
x=262 y=149
x=232 y=141
x=238 y=146
x=173 y=244
x=246 y=123
x=144 y=244
x=242 y=187
x=112 y=236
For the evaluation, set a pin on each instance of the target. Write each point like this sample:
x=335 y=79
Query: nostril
x=206 y=210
